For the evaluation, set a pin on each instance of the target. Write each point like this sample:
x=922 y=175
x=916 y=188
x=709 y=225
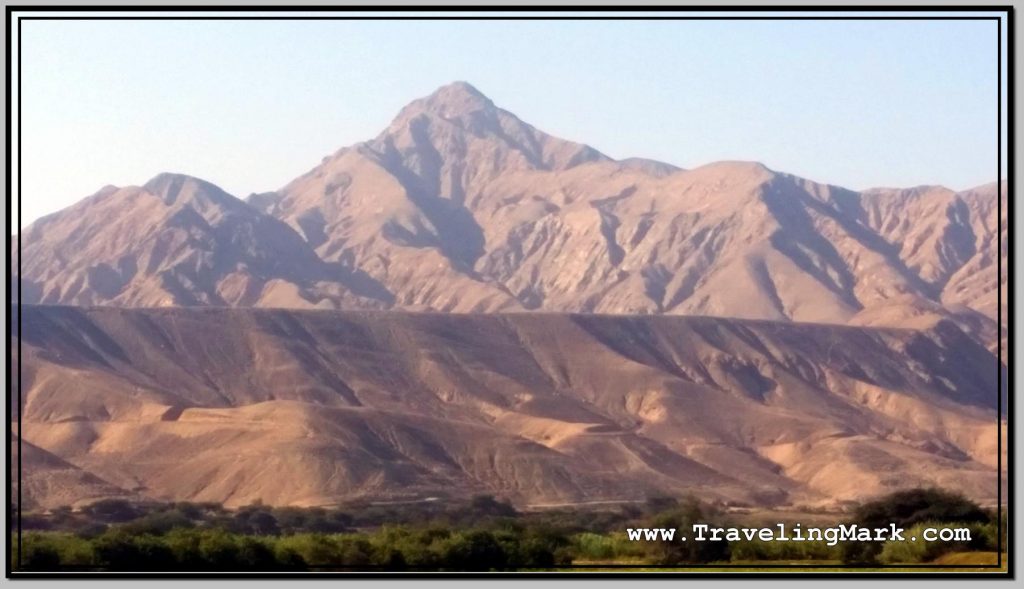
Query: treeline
x=259 y=519
x=482 y=534
x=915 y=510
x=390 y=548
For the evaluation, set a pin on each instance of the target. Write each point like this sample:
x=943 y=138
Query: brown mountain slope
x=983 y=276
x=175 y=241
x=957 y=242
x=50 y=482
x=460 y=206
x=315 y=407
x=953 y=241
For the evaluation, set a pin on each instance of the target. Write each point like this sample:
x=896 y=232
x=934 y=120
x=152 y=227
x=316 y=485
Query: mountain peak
x=452 y=101
x=170 y=187
x=458 y=98
x=459 y=87
x=165 y=181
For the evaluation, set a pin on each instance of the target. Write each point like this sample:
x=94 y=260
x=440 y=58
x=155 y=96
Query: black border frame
x=571 y=13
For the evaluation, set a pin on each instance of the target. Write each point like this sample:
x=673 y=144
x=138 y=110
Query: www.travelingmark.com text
x=782 y=533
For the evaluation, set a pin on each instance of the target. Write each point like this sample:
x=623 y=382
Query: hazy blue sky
x=250 y=105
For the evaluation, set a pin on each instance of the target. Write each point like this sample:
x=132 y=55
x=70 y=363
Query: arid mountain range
x=319 y=407
x=459 y=206
x=851 y=348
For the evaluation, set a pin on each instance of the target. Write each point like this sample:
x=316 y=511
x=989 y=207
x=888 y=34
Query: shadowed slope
x=316 y=407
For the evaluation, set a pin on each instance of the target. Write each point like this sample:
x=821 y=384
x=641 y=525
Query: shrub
x=473 y=551
x=919 y=551
x=116 y=550
x=49 y=551
x=354 y=551
x=39 y=556
x=745 y=550
x=674 y=552
x=314 y=549
x=90 y=531
x=534 y=553
x=184 y=544
x=73 y=550
x=113 y=510
x=591 y=546
x=219 y=551
x=255 y=554
x=291 y=519
x=288 y=559
x=905 y=509
x=158 y=523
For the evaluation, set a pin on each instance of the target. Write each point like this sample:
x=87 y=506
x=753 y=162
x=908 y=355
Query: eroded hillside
x=316 y=407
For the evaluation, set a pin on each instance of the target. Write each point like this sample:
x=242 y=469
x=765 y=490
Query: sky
x=250 y=105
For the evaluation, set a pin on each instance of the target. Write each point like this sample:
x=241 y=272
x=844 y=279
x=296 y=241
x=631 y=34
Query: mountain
x=48 y=481
x=589 y=329
x=980 y=283
x=320 y=407
x=956 y=242
x=460 y=206
x=402 y=206
x=175 y=241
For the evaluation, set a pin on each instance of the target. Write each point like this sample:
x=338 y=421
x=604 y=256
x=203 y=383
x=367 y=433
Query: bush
x=591 y=546
x=158 y=523
x=354 y=551
x=254 y=554
x=288 y=559
x=113 y=510
x=674 y=552
x=219 y=551
x=921 y=551
x=90 y=531
x=314 y=549
x=292 y=519
x=73 y=550
x=116 y=550
x=905 y=509
x=416 y=548
x=533 y=553
x=40 y=557
x=154 y=554
x=473 y=551
x=995 y=528
x=184 y=544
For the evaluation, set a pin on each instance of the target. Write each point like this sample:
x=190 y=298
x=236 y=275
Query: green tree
x=675 y=552
x=919 y=551
x=254 y=554
x=113 y=510
x=219 y=551
x=158 y=523
x=118 y=550
x=904 y=509
x=38 y=555
x=474 y=551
